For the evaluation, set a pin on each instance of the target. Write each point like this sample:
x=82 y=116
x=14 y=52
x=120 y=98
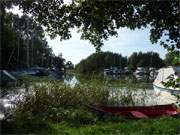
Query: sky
x=126 y=43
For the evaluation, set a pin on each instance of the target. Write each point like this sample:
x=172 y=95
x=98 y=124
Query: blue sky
x=126 y=43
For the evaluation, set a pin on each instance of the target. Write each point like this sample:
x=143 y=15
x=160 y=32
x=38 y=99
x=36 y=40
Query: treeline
x=149 y=59
x=97 y=62
x=24 y=44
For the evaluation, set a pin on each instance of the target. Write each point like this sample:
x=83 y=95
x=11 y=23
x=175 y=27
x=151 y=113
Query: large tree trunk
x=2 y=14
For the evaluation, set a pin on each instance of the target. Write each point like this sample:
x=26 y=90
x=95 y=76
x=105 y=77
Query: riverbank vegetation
x=55 y=108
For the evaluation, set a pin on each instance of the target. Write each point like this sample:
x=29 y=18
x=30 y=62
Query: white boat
x=163 y=75
x=112 y=71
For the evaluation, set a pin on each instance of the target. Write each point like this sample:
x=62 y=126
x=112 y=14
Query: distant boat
x=163 y=75
x=112 y=71
x=141 y=71
x=138 y=111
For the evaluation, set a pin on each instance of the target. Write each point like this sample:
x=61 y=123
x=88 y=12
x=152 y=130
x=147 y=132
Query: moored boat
x=112 y=71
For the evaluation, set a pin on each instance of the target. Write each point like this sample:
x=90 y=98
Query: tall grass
x=55 y=101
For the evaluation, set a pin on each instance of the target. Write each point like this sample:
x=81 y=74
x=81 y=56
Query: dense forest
x=97 y=62
x=24 y=45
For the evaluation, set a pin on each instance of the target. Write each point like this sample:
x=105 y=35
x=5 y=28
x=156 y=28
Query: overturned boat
x=138 y=112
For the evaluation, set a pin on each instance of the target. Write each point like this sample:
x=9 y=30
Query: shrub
x=58 y=102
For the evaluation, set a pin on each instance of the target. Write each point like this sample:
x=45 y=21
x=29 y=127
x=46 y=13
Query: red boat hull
x=138 y=111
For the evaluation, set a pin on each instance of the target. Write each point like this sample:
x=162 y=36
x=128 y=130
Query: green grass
x=158 y=126
x=161 y=126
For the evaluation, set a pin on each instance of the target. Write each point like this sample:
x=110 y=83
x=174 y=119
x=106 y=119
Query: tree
x=24 y=43
x=97 y=20
x=149 y=59
x=169 y=59
x=132 y=61
x=97 y=62
x=69 y=65
x=59 y=62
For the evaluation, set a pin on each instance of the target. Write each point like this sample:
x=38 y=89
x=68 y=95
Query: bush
x=58 y=102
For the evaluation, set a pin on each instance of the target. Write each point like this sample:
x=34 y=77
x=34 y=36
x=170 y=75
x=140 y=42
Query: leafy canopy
x=97 y=20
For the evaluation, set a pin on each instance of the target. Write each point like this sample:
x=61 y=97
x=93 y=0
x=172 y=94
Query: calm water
x=142 y=96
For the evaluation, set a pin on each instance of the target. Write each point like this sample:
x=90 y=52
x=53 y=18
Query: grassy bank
x=158 y=126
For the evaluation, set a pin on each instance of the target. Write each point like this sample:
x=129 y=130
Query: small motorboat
x=138 y=111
